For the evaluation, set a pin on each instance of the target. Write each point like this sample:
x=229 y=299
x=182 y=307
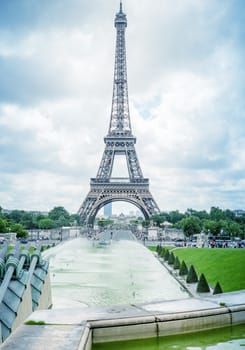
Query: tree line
x=217 y=222
x=20 y=221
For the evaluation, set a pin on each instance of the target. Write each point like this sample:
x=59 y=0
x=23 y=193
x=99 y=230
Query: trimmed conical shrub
x=176 y=263
x=160 y=250
x=183 y=269
x=163 y=252
x=202 y=286
x=217 y=289
x=171 y=259
x=192 y=275
x=166 y=255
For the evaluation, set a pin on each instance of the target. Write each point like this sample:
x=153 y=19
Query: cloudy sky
x=186 y=77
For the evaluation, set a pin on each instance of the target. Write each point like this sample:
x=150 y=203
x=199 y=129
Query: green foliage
x=192 y=275
x=214 y=227
x=202 y=286
x=175 y=216
x=104 y=222
x=146 y=223
x=158 y=247
x=217 y=289
x=160 y=250
x=28 y=220
x=166 y=255
x=191 y=225
x=176 y=263
x=163 y=252
x=19 y=230
x=217 y=214
x=183 y=269
x=46 y=224
x=171 y=258
x=3 y=226
x=57 y=212
x=31 y=220
x=60 y=216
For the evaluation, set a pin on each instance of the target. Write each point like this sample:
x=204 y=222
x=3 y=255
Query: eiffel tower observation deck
x=119 y=142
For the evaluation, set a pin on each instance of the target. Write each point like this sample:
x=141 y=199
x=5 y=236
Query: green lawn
x=226 y=266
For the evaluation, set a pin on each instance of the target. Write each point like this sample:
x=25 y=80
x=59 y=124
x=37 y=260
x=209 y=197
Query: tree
x=191 y=225
x=217 y=289
x=216 y=214
x=234 y=229
x=175 y=216
x=3 y=226
x=158 y=219
x=28 y=221
x=46 y=224
x=60 y=216
x=16 y=215
x=171 y=259
x=214 y=227
x=183 y=269
x=166 y=255
x=202 y=286
x=104 y=222
x=19 y=230
x=192 y=275
x=75 y=219
x=176 y=263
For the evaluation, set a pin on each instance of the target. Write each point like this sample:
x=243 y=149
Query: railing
x=118 y=180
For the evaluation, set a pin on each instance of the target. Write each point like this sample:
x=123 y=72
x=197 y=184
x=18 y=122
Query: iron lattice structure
x=119 y=141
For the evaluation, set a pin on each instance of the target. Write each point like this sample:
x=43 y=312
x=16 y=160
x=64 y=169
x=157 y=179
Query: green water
x=231 y=338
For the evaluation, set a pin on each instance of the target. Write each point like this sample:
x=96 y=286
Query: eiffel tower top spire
x=120 y=118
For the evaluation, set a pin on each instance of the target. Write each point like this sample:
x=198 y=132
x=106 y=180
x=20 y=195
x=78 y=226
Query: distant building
x=239 y=212
x=108 y=210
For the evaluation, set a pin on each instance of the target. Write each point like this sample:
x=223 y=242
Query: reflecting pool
x=232 y=338
x=86 y=273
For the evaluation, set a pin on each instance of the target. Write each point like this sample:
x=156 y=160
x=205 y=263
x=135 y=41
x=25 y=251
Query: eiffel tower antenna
x=119 y=141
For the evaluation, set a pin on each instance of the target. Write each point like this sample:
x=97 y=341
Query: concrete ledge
x=77 y=329
x=190 y=325
x=86 y=339
x=124 y=332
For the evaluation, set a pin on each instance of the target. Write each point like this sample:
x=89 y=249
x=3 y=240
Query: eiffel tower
x=119 y=141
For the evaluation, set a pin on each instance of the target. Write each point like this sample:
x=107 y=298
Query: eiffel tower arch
x=119 y=141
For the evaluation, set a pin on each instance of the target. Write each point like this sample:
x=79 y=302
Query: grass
x=226 y=266
x=35 y=323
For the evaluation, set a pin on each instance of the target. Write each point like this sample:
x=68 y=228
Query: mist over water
x=124 y=272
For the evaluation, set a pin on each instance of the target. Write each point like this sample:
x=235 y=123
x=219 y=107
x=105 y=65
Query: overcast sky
x=186 y=77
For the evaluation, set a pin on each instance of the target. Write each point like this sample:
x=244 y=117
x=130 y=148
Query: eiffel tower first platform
x=119 y=141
